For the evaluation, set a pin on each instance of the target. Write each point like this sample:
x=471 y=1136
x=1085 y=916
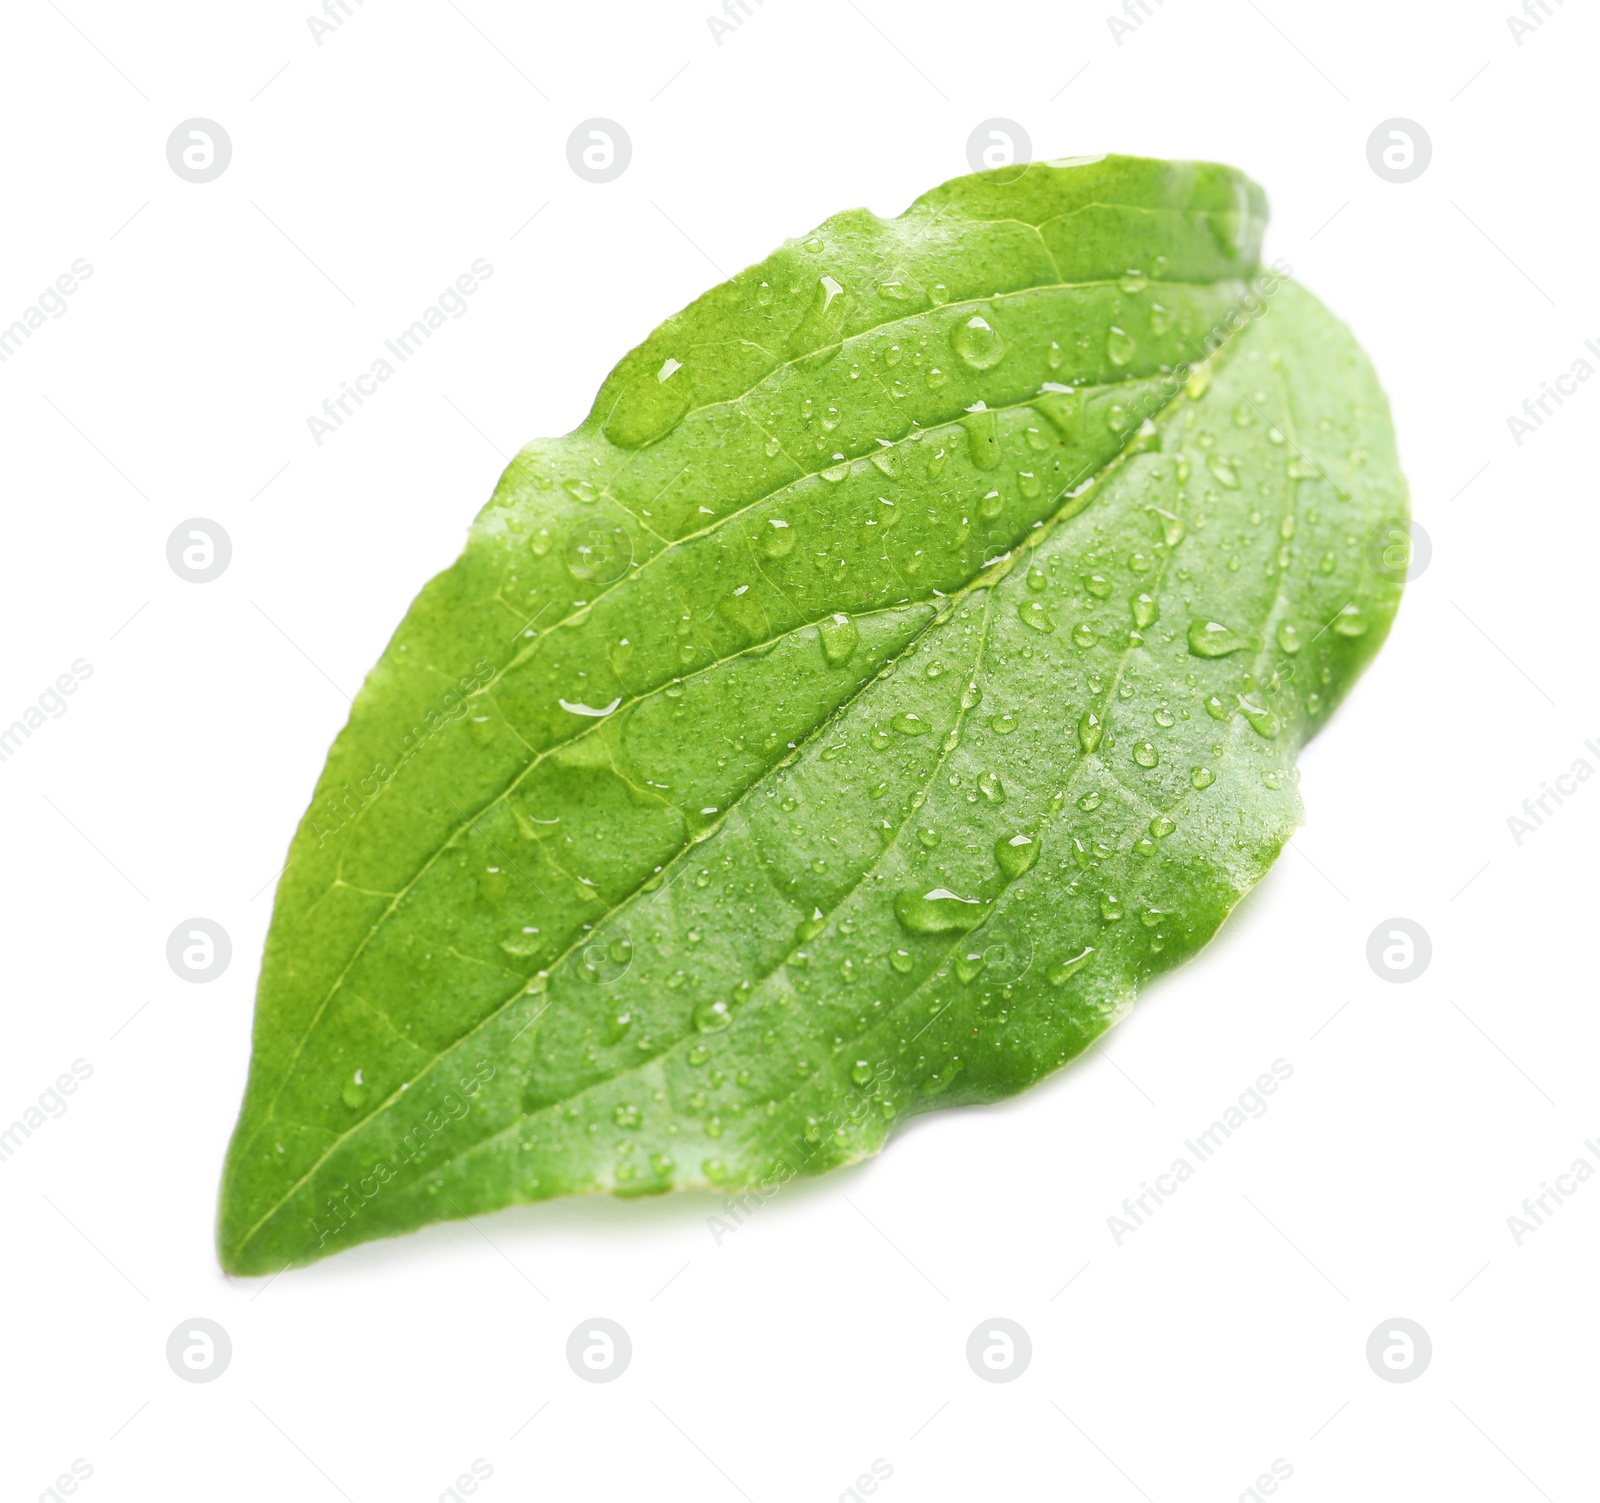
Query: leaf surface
x=903 y=662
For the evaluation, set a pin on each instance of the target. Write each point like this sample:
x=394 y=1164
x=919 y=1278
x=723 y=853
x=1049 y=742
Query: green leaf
x=904 y=661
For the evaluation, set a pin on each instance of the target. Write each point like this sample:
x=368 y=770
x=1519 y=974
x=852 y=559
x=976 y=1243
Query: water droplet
x=990 y=786
x=1090 y=730
x=523 y=943
x=968 y=966
x=983 y=437
x=713 y=1017
x=1110 y=907
x=649 y=406
x=1226 y=475
x=1144 y=610
x=777 y=538
x=1166 y=719
x=1003 y=725
x=1211 y=639
x=625 y=1114
x=1089 y=802
x=1216 y=709
x=1351 y=621
x=1037 y=579
x=1016 y=855
x=836 y=472
x=1289 y=638
x=354 y=1092
x=1262 y=720
x=1032 y=613
x=1199 y=380
x=929 y=837
x=1028 y=483
x=991 y=505
x=971 y=694
x=1054 y=356
x=1202 y=777
x=812 y=243
x=809 y=928
x=1173 y=527
x=1162 y=826
x=939 y=911
x=581 y=490
x=1133 y=280
x=1097 y=585
x=909 y=723
x=1145 y=754
x=861 y=1072
x=839 y=636
x=540 y=542
x=901 y=960
x=977 y=342
x=1035 y=439
x=1062 y=970
x=1120 y=346
x=1083 y=635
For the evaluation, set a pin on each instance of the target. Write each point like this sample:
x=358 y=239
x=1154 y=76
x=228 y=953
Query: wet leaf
x=881 y=684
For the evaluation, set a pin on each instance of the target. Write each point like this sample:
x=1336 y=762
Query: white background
x=1230 y=1331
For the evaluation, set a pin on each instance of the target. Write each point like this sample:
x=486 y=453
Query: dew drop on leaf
x=713 y=1017
x=939 y=911
x=1226 y=475
x=977 y=342
x=1351 y=621
x=1211 y=639
x=777 y=538
x=840 y=636
x=1015 y=855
